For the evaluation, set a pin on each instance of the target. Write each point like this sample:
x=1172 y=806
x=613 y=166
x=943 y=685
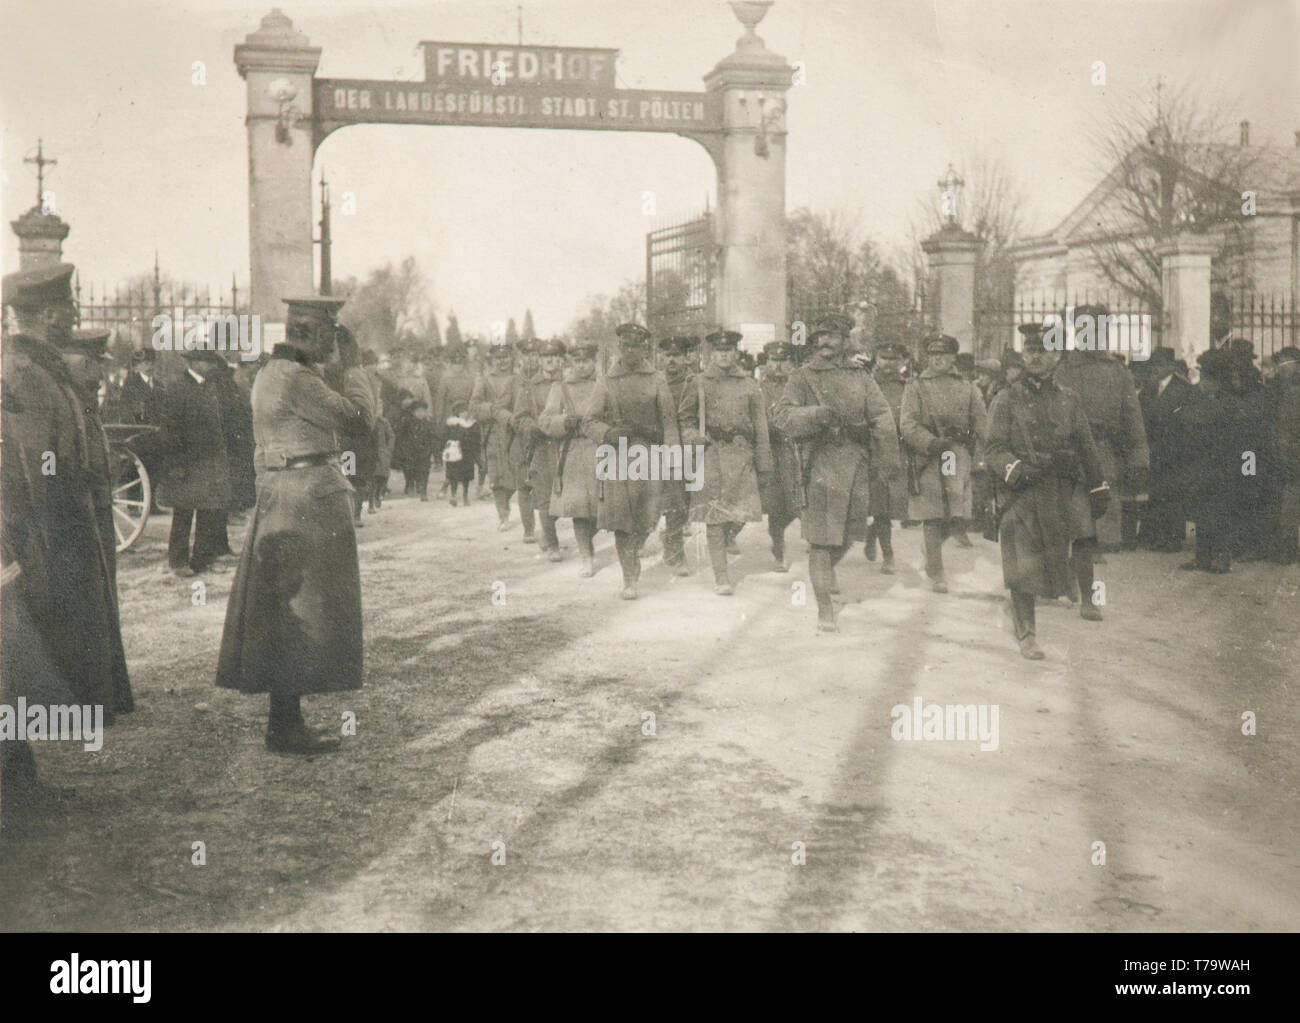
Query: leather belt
x=302 y=462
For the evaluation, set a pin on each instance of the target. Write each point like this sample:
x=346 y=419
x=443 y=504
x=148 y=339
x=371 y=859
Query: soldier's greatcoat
x=1045 y=428
x=780 y=491
x=836 y=459
x=637 y=406
x=573 y=495
x=540 y=451
x=737 y=445
x=499 y=402
x=889 y=489
x=1105 y=390
x=293 y=624
x=58 y=541
x=946 y=407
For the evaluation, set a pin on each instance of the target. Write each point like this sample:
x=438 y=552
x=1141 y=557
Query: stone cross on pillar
x=952 y=253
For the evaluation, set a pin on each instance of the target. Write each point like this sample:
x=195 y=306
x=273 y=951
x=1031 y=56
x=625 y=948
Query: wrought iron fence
x=680 y=277
x=1269 y=321
x=131 y=314
x=1133 y=327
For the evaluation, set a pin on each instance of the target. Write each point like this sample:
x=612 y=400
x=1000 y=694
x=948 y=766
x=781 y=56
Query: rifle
x=909 y=456
x=565 y=404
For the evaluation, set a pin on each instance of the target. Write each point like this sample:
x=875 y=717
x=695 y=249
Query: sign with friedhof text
x=501 y=86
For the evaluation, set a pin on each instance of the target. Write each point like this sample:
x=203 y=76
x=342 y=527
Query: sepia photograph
x=651 y=466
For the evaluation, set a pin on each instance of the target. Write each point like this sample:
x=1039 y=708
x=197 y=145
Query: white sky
x=503 y=219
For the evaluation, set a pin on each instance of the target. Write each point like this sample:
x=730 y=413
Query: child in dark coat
x=460 y=453
x=421 y=439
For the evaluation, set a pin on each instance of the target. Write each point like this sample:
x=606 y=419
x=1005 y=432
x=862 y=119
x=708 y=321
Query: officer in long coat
x=888 y=486
x=573 y=493
x=942 y=426
x=59 y=604
x=630 y=410
x=196 y=468
x=539 y=453
x=680 y=363
x=293 y=623
x=834 y=411
x=1105 y=388
x=781 y=492
x=499 y=403
x=1163 y=399
x=724 y=412
x=1050 y=485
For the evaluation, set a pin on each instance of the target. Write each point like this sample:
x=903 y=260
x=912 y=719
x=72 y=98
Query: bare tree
x=1170 y=171
x=393 y=301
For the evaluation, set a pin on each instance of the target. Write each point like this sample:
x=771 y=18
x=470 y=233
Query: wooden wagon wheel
x=131 y=495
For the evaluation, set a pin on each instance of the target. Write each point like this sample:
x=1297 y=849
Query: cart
x=132 y=489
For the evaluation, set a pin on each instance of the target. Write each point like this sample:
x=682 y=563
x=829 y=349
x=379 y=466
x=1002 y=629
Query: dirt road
x=506 y=773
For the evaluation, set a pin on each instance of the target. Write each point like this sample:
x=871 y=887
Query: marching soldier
x=499 y=400
x=725 y=412
x=630 y=407
x=293 y=623
x=888 y=486
x=680 y=365
x=1040 y=450
x=782 y=491
x=573 y=494
x=1105 y=389
x=539 y=452
x=835 y=411
x=942 y=425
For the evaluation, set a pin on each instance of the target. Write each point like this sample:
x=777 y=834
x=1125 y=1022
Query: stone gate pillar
x=952 y=253
x=1185 y=293
x=278 y=63
x=750 y=86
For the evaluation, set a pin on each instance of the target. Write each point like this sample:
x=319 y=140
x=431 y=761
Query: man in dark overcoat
x=834 y=411
x=196 y=468
x=1040 y=450
x=293 y=623
x=1163 y=398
